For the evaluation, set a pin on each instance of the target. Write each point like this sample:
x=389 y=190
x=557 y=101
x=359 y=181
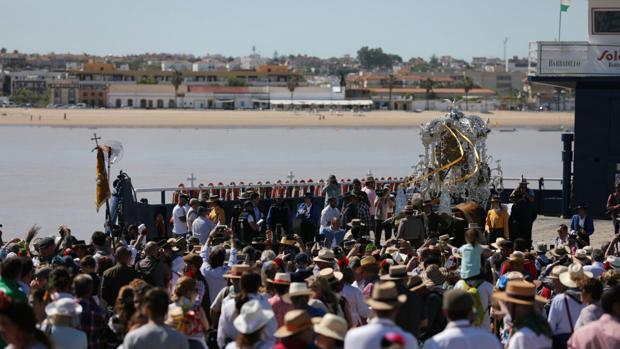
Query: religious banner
x=103 y=185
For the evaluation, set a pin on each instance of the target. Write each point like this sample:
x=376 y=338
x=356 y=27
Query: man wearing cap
x=529 y=328
x=582 y=226
x=458 y=307
x=179 y=216
x=309 y=216
x=613 y=208
x=385 y=304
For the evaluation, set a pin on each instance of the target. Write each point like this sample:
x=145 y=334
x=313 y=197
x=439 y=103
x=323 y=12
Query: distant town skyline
x=323 y=28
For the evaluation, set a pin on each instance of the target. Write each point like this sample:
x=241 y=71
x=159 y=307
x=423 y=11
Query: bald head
x=151 y=249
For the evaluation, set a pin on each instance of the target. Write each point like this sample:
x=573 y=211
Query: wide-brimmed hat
x=236 y=271
x=574 y=273
x=498 y=243
x=560 y=251
x=445 y=237
x=556 y=271
x=396 y=272
x=541 y=247
x=355 y=223
x=385 y=297
x=295 y=321
x=331 y=275
x=581 y=207
x=287 y=241
x=435 y=275
x=519 y=292
x=581 y=254
x=281 y=279
x=614 y=262
x=517 y=256
x=297 y=289
x=63 y=306
x=214 y=198
x=332 y=326
x=252 y=317
x=523 y=180
x=416 y=282
x=588 y=250
x=325 y=255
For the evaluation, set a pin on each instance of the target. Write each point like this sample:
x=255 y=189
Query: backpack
x=473 y=291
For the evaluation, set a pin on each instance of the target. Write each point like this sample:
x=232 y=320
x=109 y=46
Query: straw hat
x=281 y=279
x=435 y=275
x=236 y=271
x=581 y=255
x=517 y=256
x=297 y=289
x=330 y=274
x=614 y=262
x=295 y=321
x=574 y=273
x=498 y=243
x=541 y=247
x=325 y=255
x=286 y=241
x=63 y=306
x=445 y=237
x=560 y=251
x=332 y=326
x=416 y=282
x=396 y=272
x=367 y=261
x=355 y=223
x=252 y=317
x=385 y=297
x=556 y=271
x=588 y=250
x=519 y=292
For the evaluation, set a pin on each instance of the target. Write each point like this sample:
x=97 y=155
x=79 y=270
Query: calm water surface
x=47 y=175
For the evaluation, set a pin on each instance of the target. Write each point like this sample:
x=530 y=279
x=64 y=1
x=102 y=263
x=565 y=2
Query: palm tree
x=468 y=84
x=428 y=86
x=292 y=84
x=177 y=80
x=391 y=83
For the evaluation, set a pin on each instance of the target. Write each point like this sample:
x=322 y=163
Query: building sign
x=577 y=59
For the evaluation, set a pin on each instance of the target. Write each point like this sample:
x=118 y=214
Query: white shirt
x=177 y=264
x=178 y=226
x=485 y=290
x=328 y=214
x=462 y=335
x=357 y=306
x=192 y=214
x=226 y=329
x=67 y=337
x=558 y=316
x=527 y=339
x=372 y=196
x=370 y=336
x=215 y=276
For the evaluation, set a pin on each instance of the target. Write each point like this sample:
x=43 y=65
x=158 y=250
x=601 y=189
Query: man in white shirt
x=192 y=213
x=329 y=213
x=459 y=333
x=385 y=303
x=369 y=189
x=566 y=307
x=485 y=292
x=360 y=311
x=179 y=216
x=597 y=268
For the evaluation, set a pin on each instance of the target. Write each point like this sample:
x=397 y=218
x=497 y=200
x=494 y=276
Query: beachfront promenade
x=264 y=118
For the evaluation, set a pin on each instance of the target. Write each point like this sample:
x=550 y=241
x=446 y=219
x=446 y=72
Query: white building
x=176 y=65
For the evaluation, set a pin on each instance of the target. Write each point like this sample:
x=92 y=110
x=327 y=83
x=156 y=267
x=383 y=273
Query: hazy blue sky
x=319 y=27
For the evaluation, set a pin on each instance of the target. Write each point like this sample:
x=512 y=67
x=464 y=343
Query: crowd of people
x=349 y=272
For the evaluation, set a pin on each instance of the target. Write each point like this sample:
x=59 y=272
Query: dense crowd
x=351 y=272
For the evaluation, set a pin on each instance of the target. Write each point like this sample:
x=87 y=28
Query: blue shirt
x=470 y=262
x=332 y=238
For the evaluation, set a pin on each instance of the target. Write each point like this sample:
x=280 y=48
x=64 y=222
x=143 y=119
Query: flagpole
x=560 y=25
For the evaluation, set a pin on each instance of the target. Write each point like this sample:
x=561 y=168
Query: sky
x=324 y=28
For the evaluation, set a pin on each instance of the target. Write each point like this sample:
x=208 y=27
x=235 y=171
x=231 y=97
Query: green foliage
x=371 y=58
x=38 y=99
x=434 y=61
x=421 y=68
x=236 y=82
x=147 y=80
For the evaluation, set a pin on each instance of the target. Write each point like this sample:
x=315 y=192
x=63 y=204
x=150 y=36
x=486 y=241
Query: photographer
x=582 y=226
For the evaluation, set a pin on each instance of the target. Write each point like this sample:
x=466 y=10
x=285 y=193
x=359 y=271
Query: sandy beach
x=266 y=118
